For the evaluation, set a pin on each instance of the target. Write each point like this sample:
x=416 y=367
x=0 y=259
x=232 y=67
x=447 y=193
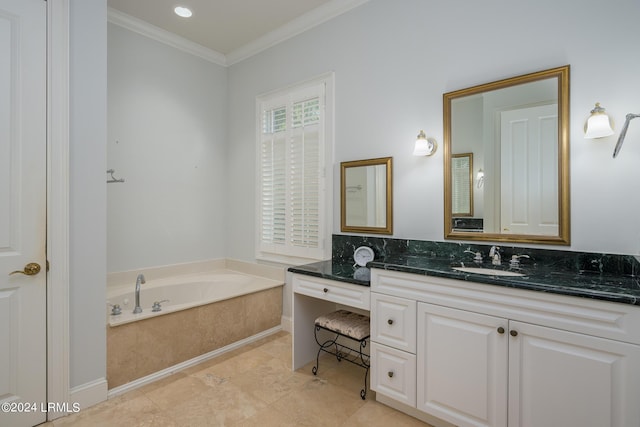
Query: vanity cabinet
x=495 y=356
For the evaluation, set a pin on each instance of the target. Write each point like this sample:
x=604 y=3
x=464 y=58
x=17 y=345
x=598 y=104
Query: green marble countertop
x=586 y=284
x=335 y=270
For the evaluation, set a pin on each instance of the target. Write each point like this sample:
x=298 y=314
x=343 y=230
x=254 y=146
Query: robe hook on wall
x=113 y=178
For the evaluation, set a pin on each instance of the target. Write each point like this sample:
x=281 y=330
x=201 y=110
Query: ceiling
x=221 y=25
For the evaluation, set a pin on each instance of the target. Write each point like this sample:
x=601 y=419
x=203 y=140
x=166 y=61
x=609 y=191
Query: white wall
x=87 y=210
x=167 y=139
x=393 y=60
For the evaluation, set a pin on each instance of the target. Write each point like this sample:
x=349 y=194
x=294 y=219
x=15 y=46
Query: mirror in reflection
x=461 y=185
x=366 y=196
x=515 y=133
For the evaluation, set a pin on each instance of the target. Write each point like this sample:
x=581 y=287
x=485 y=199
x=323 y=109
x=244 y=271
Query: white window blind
x=292 y=189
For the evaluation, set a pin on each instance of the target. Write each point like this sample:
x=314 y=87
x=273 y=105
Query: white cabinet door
x=462 y=366
x=559 y=378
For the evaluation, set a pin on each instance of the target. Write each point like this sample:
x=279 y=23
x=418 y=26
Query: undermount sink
x=488 y=271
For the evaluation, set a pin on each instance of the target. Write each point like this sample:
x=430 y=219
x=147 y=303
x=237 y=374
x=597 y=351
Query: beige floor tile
x=319 y=403
x=249 y=386
x=222 y=405
x=271 y=381
x=133 y=412
x=269 y=417
x=177 y=392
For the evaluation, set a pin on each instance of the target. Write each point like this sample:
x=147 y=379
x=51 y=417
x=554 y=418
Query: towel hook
x=113 y=178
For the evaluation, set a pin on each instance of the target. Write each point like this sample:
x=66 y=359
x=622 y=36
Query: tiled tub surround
x=138 y=349
x=145 y=347
x=607 y=277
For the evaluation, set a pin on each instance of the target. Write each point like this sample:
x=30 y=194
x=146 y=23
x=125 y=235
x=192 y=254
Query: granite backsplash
x=579 y=262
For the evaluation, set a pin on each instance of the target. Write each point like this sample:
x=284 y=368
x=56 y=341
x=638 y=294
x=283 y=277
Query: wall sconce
x=480 y=178
x=424 y=146
x=598 y=124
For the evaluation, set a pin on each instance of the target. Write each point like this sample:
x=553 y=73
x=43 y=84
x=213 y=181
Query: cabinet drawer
x=330 y=290
x=393 y=322
x=393 y=373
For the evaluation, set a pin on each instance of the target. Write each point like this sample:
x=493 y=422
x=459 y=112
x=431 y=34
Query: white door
x=462 y=366
x=559 y=378
x=529 y=170
x=22 y=211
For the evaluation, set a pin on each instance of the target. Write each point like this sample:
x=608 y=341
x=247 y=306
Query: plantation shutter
x=291 y=186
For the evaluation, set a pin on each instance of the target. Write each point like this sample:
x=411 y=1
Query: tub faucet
x=139 y=281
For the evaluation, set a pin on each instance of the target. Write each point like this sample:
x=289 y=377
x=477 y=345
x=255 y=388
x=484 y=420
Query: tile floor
x=251 y=386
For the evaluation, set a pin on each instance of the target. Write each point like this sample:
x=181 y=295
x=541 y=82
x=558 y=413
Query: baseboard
x=188 y=363
x=88 y=394
x=287 y=324
x=410 y=410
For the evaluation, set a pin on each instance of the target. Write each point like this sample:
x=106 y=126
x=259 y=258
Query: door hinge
x=47 y=261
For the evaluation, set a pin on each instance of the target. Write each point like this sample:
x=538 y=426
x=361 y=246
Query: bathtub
x=181 y=293
x=206 y=314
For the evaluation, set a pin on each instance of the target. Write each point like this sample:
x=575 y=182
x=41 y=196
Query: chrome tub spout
x=140 y=280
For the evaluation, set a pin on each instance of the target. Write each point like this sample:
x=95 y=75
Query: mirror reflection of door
x=529 y=170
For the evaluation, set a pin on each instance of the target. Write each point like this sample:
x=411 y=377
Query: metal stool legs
x=343 y=352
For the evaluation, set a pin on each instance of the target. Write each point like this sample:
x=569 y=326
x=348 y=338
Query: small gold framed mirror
x=462 y=185
x=366 y=196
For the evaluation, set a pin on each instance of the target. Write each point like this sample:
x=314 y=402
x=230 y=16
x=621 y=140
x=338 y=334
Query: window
x=294 y=205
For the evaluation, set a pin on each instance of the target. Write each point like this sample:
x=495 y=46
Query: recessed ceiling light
x=184 y=12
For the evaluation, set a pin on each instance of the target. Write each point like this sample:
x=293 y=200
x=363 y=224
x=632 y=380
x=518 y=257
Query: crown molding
x=144 y=28
x=291 y=29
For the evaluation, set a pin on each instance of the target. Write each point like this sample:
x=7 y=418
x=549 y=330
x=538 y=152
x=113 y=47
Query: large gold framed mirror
x=366 y=196
x=517 y=131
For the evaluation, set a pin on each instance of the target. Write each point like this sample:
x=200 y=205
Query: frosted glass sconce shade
x=183 y=12
x=598 y=124
x=424 y=146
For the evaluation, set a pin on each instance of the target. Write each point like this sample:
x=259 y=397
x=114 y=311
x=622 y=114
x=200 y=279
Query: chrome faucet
x=139 y=281
x=477 y=256
x=494 y=254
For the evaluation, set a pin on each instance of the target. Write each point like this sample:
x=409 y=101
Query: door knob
x=30 y=269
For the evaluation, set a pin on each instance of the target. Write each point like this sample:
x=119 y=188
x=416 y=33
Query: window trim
x=326 y=215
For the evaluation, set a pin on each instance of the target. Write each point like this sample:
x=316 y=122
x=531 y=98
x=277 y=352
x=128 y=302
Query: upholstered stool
x=344 y=323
